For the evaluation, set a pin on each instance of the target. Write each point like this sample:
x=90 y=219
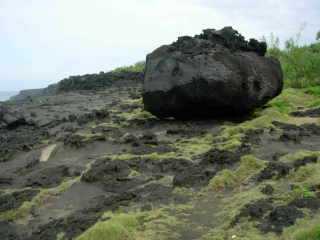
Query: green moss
x=300 y=191
x=315 y=103
x=24 y=210
x=305 y=173
x=225 y=179
x=231 y=136
x=290 y=100
x=305 y=229
x=90 y=137
x=313 y=233
x=243 y=231
x=291 y=157
x=60 y=236
x=156 y=224
x=191 y=147
x=136 y=114
x=315 y=90
x=228 y=179
x=229 y=207
x=119 y=227
x=151 y=156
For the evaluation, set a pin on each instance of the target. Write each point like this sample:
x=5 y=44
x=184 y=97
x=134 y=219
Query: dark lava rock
x=72 y=226
x=315 y=112
x=149 y=138
x=274 y=170
x=267 y=189
x=47 y=177
x=104 y=170
x=275 y=219
x=223 y=157
x=10 y=119
x=6 y=179
x=212 y=162
x=255 y=211
x=197 y=175
x=311 y=203
x=8 y=231
x=304 y=161
x=9 y=201
x=77 y=222
x=279 y=218
x=216 y=73
x=112 y=175
x=296 y=133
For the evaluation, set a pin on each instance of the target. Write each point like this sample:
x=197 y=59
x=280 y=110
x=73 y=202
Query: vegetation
x=137 y=67
x=24 y=210
x=119 y=227
x=228 y=179
x=300 y=63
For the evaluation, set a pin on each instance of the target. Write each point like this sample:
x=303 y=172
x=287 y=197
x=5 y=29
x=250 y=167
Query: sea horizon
x=6 y=95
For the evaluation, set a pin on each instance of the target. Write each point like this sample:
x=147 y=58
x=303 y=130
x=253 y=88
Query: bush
x=300 y=63
x=137 y=67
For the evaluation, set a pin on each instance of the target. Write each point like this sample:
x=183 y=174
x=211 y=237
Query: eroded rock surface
x=213 y=74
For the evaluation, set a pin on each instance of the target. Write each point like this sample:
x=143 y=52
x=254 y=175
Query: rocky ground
x=94 y=165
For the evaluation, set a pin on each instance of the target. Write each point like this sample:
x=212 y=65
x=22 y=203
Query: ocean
x=5 y=95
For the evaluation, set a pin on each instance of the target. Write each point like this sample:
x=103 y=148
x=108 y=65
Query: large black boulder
x=217 y=73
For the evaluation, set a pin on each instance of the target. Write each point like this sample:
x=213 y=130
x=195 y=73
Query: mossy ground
x=209 y=213
x=206 y=213
x=24 y=210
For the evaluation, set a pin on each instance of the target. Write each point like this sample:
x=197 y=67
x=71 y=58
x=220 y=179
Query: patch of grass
x=300 y=191
x=304 y=229
x=24 y=210
x=136 y=114
x=315 y=90
x=313 y=233
x=228 y=179
x=194 y=146
x=119 y=227
x=60 y=236
x=291 y=157
x=244 y=231
x=290 y=100
x=231 y=136
x=151 y=156
x=229 y=207
x=304 y=173
x=277 y=110
x=156 y=224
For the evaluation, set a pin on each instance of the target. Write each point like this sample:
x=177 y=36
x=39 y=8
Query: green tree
x=318 y=36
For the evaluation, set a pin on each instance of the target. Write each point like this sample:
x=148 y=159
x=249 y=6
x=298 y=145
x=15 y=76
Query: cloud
x=44 y=41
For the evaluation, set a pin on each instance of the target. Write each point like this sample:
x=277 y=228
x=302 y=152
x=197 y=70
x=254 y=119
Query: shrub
x=137 y=67
x=300 y=63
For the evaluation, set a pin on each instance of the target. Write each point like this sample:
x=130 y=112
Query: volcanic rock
x=217 y=73
x=10 y=118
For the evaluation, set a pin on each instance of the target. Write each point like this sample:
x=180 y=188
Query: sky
x=44 y=41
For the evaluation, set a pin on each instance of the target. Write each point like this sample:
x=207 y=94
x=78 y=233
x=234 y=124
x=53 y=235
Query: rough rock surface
x=10 y=118
x=216 y=73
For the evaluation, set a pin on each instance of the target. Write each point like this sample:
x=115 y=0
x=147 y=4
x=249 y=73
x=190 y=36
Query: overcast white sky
x=43 y=41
